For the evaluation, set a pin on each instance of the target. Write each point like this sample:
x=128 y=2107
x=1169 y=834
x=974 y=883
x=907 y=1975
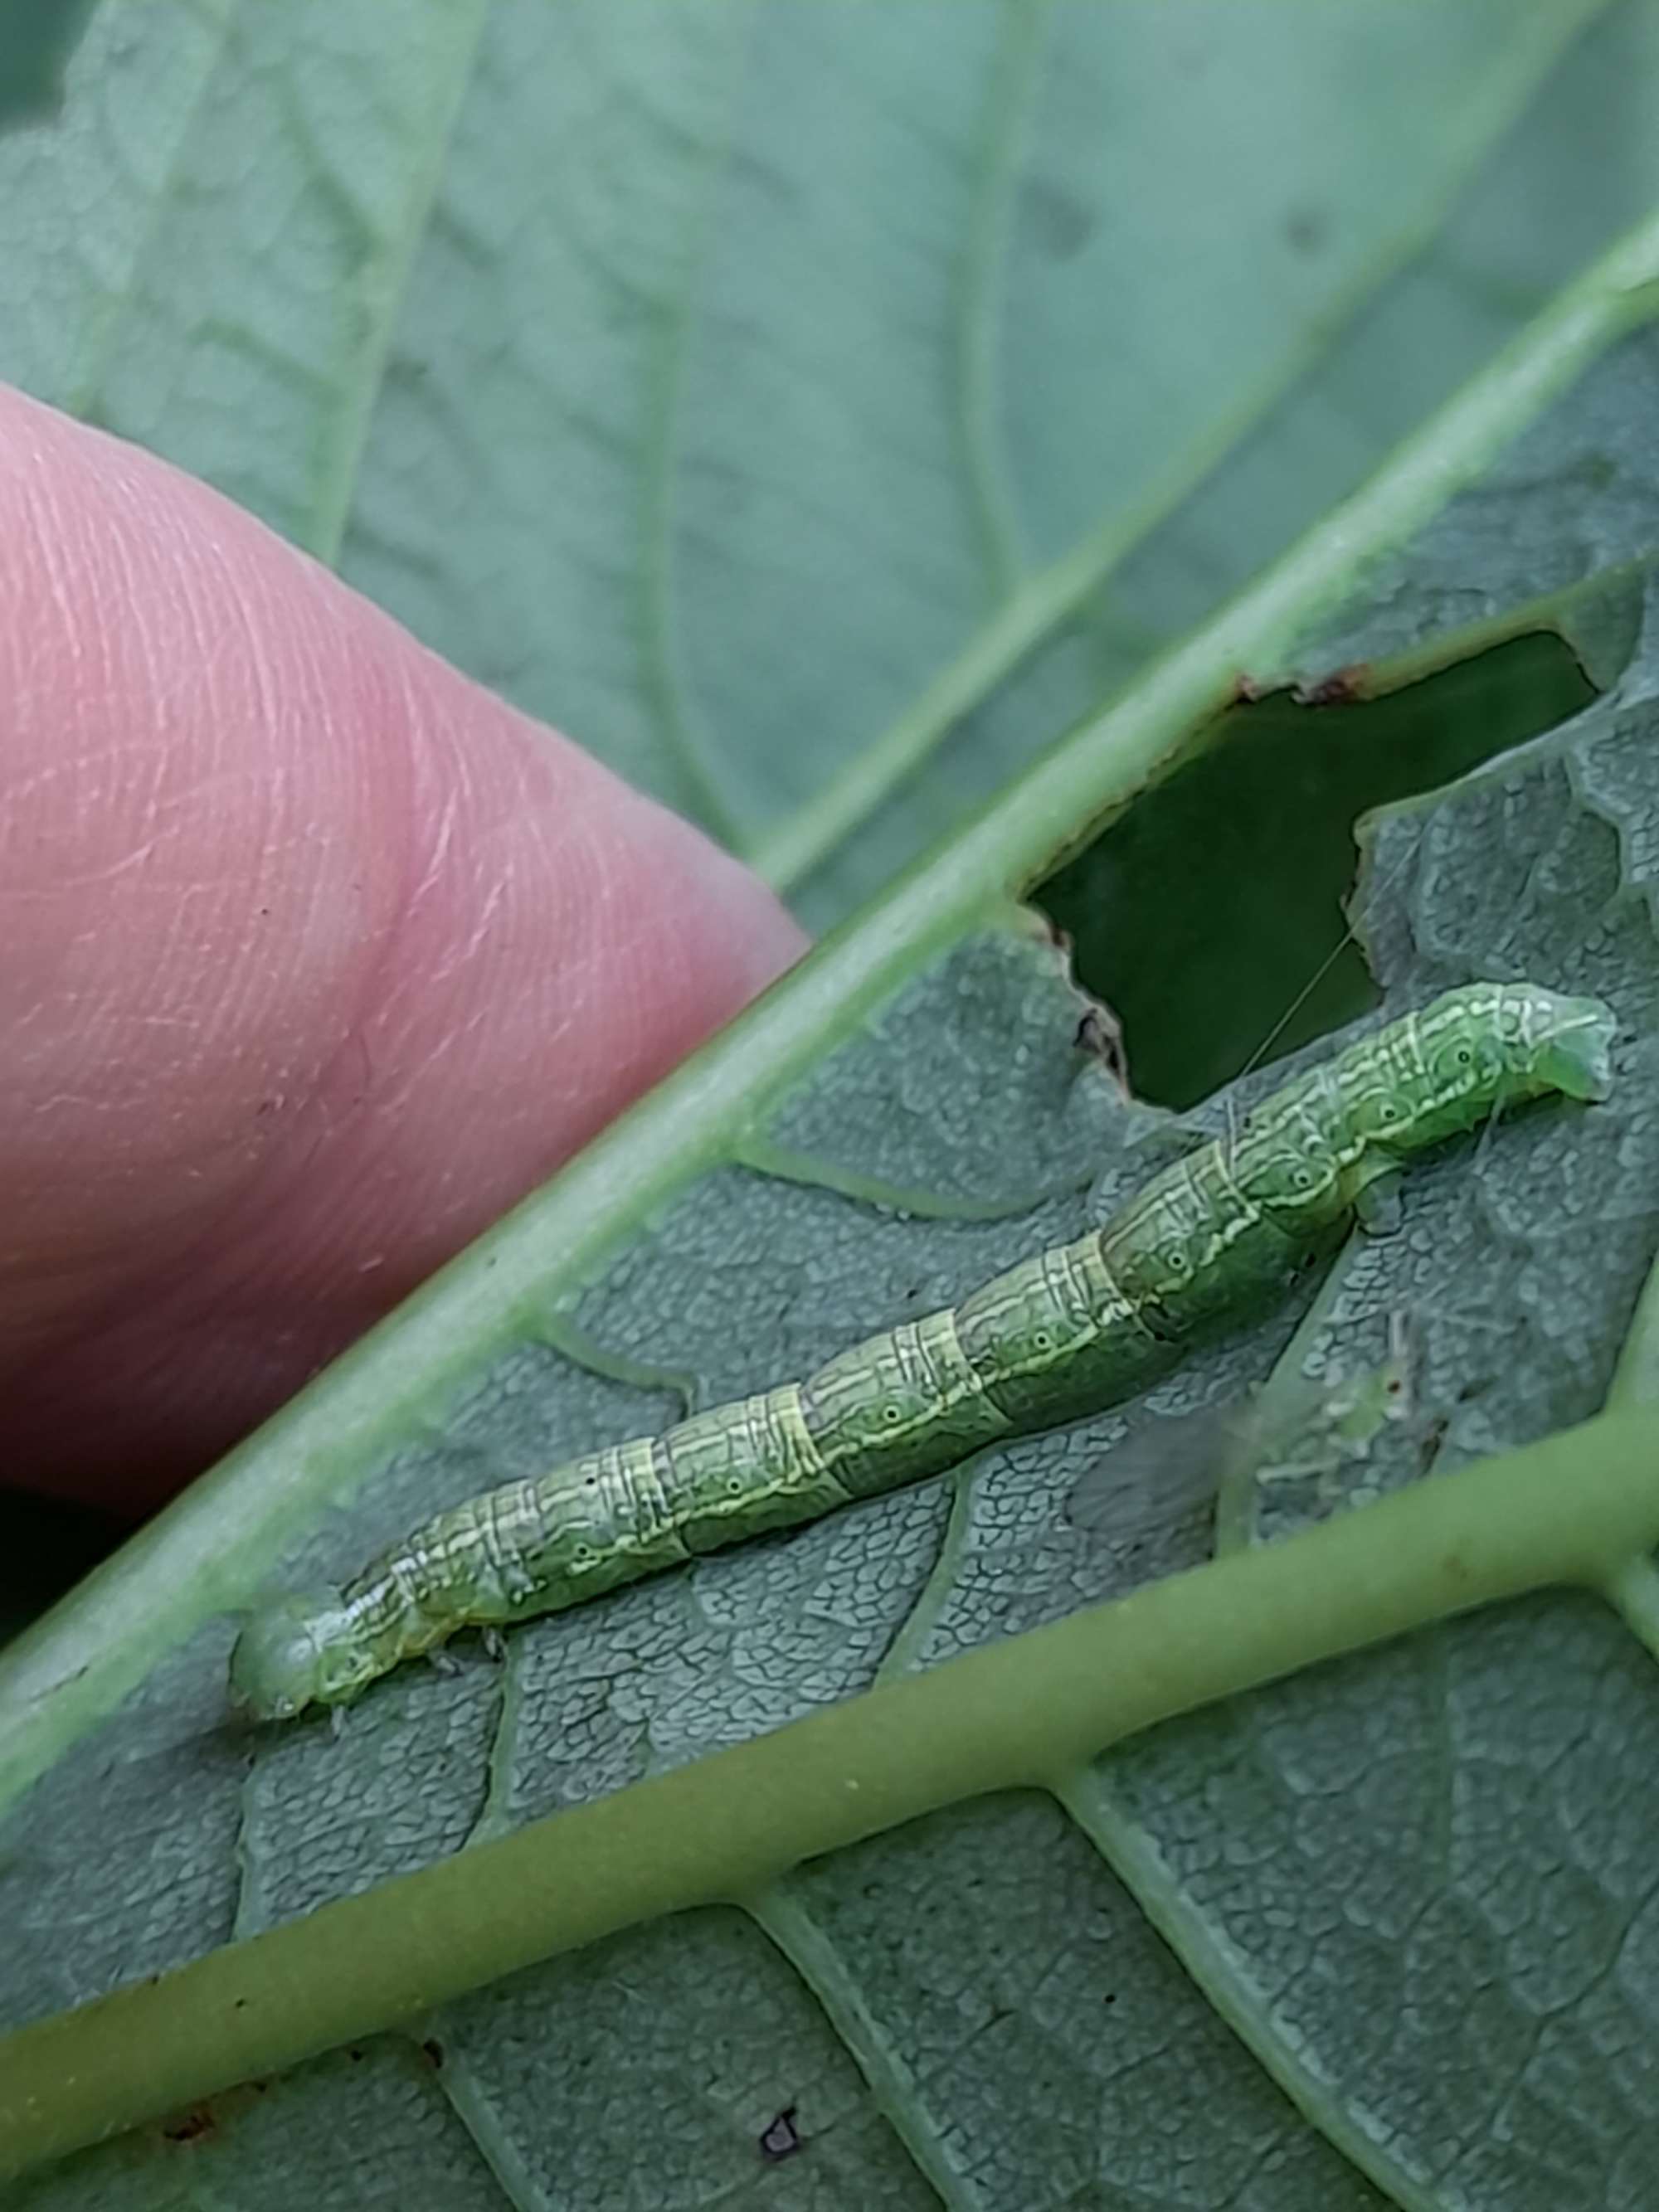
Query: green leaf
x=32 y=58
x=1381 y=1932
x=897 y=377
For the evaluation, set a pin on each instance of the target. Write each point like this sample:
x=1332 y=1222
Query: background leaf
x=814 y=410
x=37 y=46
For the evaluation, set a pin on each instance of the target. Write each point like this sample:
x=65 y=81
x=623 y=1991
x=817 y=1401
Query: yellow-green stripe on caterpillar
x=1068 y=1332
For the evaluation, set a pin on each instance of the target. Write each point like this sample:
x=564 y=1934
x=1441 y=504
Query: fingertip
x=319 y=955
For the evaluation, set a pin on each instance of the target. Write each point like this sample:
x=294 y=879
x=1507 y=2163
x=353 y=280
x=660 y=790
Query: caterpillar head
x=293 y=1654
x=1564 y=1044
x=1491 y=1044
x=1471 y=1052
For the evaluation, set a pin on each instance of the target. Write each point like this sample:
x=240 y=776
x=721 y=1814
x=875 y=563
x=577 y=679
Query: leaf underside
x=1353 y=1868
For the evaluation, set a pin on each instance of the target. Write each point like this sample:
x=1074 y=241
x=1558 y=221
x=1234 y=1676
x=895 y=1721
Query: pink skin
x=313 y=958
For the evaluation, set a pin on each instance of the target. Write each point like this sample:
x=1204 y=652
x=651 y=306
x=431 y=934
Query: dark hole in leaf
x=782 y=2138
x=1206 y=910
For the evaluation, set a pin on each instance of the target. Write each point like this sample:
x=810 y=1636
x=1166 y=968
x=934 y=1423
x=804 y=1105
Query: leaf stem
x=1573 y=1508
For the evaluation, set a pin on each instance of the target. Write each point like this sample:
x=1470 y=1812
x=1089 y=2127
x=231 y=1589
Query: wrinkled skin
x=318 y=956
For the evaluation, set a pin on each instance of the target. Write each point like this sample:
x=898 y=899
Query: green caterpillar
x=1068 y=1332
